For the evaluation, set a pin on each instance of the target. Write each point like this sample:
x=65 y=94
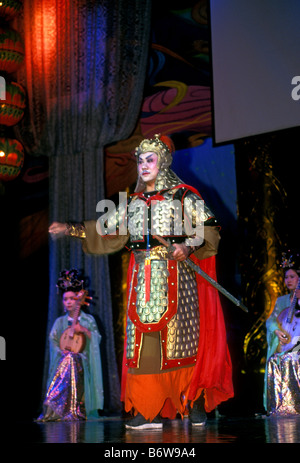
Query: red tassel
x=147 y=279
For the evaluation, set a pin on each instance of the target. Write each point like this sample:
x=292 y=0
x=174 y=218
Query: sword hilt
x=166 y=243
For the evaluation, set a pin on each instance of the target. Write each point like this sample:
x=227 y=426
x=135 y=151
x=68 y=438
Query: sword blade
x=216 y=285
x=199 y=270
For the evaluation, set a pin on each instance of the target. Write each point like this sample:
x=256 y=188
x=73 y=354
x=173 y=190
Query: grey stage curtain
x=84 y=72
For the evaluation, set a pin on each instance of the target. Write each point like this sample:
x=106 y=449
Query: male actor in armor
x=176 y=356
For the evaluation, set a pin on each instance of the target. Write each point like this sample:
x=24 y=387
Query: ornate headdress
x=69 y=280
x=163 y=146
x=290 y=260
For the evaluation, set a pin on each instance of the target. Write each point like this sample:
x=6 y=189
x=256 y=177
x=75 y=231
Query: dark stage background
x=250 y=184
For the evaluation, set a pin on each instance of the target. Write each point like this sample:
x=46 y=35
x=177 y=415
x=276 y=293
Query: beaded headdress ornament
x=69 y=280
x=163 y=146
x=290 y=260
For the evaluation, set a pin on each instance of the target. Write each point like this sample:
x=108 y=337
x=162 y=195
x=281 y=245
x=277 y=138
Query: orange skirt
x=164 y=394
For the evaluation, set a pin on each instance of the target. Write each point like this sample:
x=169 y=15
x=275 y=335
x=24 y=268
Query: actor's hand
x=57 y=228
x=283 y=339
x=81 y=329
x=181 y=252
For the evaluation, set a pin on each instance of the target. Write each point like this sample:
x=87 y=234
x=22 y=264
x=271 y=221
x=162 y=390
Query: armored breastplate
x=172 y=309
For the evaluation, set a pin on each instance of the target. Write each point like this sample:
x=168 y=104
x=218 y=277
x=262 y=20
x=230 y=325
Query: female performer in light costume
x=175 y=355
x=282 y=374
x=74 y=383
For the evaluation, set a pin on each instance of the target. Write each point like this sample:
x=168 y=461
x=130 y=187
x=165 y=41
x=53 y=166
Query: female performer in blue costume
x=282 y=374
x=74 y=385
x=176 y=358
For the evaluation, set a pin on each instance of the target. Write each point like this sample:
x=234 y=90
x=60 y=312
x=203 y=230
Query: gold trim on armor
x=157 y=253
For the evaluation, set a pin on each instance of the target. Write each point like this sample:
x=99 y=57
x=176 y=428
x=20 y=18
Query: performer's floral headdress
x=163 y=146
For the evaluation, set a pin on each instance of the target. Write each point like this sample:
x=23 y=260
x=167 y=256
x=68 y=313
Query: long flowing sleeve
x=93 y=379
x=94 y=243
x=59 y=326
x=272 y=325
x=281 y=303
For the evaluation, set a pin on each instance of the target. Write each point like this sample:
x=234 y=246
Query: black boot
x=139 y=422
x=197 y=414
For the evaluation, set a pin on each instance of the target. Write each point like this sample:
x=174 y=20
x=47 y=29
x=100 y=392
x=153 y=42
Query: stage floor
x=111 y=431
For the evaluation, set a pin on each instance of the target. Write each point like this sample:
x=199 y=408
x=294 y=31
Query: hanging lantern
x=12 y=106
x=9 y=9
x=11 y=50
x=11 y=158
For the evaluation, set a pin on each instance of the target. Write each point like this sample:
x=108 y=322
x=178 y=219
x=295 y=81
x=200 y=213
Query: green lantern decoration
x=11 y=50
x=9 y=9
x=11 y=158
x=12 y=106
